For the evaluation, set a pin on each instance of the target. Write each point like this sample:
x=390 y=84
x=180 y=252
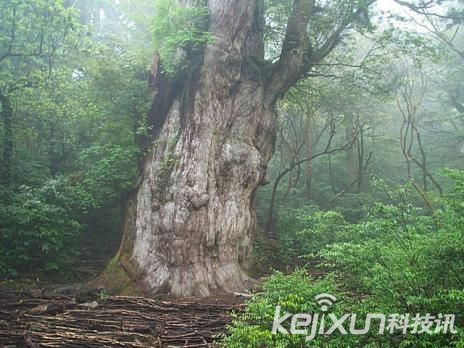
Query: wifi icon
x=325 y=301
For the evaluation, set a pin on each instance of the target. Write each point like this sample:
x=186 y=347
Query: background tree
x=35 y=37
x=79 y=97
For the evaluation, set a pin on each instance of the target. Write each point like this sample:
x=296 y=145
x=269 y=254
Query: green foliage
x=177 y=31
x=307 y=230
x=35 y=36
x=107 y=171
x=80 y=103
x=456 y=197
x=414 y=263
x=38 y=226
x=294 y=293
x=396 y=260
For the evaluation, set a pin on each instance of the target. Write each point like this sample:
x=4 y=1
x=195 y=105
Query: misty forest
x=232 y=173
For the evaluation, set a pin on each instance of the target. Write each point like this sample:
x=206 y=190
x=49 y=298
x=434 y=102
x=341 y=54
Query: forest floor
x=39 y=320
x=63 y=312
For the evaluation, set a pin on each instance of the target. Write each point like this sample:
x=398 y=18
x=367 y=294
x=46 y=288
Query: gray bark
x=192 y=222
x=190 y=225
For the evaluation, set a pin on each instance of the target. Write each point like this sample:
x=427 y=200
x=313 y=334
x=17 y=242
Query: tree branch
x=298 y=55
x=296 y=50
x=271 y=233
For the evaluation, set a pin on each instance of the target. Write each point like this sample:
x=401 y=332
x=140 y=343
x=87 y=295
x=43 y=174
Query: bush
x=398 y=260
x=38 y=225
x=294 y=293
x=107 y=172
x=307 y=230
x=413 y=267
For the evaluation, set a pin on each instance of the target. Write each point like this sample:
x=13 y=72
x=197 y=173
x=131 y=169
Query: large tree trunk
x=190 y=226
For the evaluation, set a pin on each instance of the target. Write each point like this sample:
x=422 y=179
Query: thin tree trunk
x=7 y=117
x=309 y=165
x=360 y=149
x=351 y=158
x=331 y=177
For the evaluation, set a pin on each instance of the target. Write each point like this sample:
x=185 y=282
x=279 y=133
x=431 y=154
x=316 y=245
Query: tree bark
x=351 y=158
x=7 y=117
x=189 y=226
x=309 y=164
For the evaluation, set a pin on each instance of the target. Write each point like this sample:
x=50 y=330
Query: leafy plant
x=107 y=172
x=397 y=260
x=38 y=226
x=294 y=293
x=177 y=31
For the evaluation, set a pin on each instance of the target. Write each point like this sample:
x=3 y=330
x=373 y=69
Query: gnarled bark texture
x=190 y=225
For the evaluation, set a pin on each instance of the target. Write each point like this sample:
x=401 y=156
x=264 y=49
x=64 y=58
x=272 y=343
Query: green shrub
x=307 y=230
x=38 y=226
x=294 y=293
x=107 y=172
x=399 y=259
